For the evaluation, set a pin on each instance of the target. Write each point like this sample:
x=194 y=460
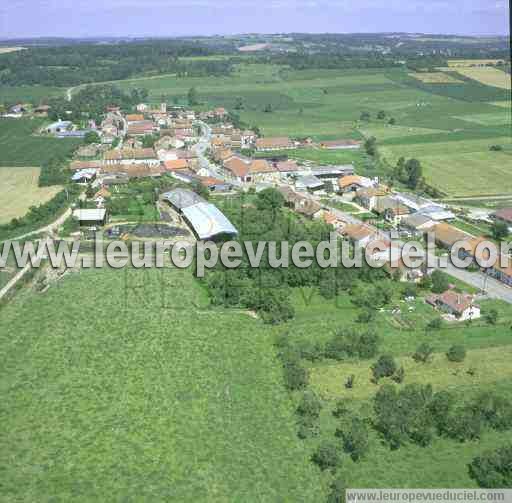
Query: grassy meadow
x=19 y=191
x=444 y=462
x=140 y=391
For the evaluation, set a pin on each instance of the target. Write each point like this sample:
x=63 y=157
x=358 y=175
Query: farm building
x=340 y=144
x=268 y=144
x=208 y=221
x=310 y=183
x=180 y=199
x=91 y=217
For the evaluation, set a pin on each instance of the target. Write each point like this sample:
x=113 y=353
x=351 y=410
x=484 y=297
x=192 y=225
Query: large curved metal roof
x=208 y=221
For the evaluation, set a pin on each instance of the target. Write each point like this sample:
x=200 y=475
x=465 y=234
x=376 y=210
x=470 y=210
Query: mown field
x=486 y=75
x=19 y=191
x=141 y=392
x=20 y=147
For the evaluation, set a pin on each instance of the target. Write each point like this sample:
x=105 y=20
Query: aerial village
x=204 y=149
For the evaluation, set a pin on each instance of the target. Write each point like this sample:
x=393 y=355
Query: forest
x=80 y=64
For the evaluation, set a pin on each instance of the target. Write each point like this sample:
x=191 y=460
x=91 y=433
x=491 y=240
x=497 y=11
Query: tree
x=496 y=148
x=268 y=108
x=423 y=353
x=269 y=199
x=499 y=230
x=340 y=409
x=409 y=290
x=392 y=121
x=434 y=324
x=355 y=439
x=381 y=115
x=385 y=366
x=493 y=468
x=440 y=281
x=370 y=146
x=399 y=375
x=239 y=104
x=92 y=137
x=148 y=141
x=326 y=456
x=456 y=353
x=491 y=316
x=441 y=407
x=310 y=405
x=495 y=410
x=192 y=97
x=366 y=316
x=414 y=173
x=465 y=424
x=296 y=377
x=89 y=192
x=426 y=282
x=337 y=491
x=365 y=116
x=349 y=384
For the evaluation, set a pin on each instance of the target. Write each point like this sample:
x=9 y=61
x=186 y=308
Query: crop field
x=31 y=94
x=19 y=191
x=488 y=76
x=20 y=147
x=142 y=391
x=460 y=168
x=435 y=78
x=471 y=62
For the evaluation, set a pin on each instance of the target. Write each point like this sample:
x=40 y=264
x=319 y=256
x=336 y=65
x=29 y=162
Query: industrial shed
x=208 y=221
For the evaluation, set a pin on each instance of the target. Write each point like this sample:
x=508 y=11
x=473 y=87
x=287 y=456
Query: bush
x=310 y=405
x=440 y=281
x=326 y=456
x=423 y=353
x=493 y=469
x=295 y=376
x=355 y=439
x=399 y=376
x=491 y=316
x=385 y=366
x=348 y=343
x=456 y=353
x=435 y=324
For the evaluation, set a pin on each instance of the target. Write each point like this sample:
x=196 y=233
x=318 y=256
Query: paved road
x=493 y=288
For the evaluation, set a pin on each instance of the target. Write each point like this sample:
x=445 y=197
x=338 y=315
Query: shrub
x=492 y=469
x=310 y=405
x=424 y=353
x=385 y=366
x=456 y=353
x=326 y=456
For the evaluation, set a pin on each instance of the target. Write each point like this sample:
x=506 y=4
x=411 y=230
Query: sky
x=167 y=18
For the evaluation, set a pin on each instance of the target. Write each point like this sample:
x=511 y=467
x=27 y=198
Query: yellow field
x=503 y=104
x=19 y=191
x=472 y=62
x=5 y=50
x=434 y=78
x=487 y=75
x=490 y=365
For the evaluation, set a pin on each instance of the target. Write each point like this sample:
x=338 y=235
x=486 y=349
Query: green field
x=20 y=147
x=31 y=94
x=327 y=104
x=140 y=392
